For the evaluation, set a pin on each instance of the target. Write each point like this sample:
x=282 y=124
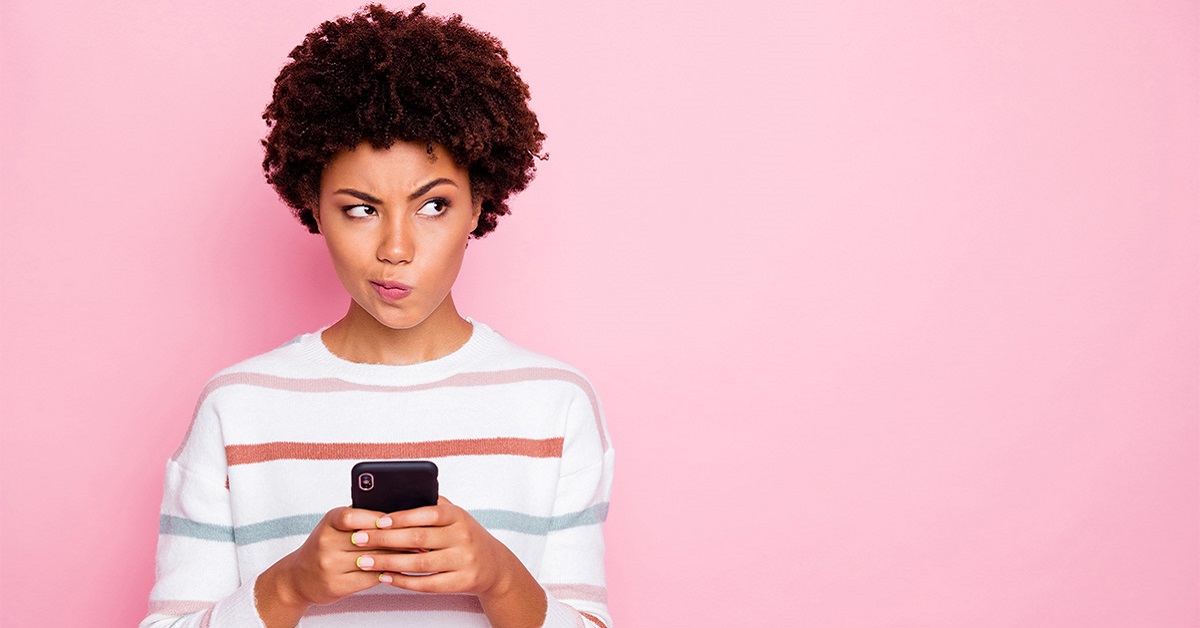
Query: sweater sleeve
x=197 y=580
x=572 y=570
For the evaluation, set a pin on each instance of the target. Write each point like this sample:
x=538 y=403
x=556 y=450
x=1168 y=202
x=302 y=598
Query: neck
x=359 y=337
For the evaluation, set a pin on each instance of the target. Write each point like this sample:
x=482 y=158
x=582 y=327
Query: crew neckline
x=482 y=339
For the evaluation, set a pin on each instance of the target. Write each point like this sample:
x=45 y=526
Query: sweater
x=519 y=440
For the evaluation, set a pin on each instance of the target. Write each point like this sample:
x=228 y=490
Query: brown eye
x=433 y=207
x=358 y=211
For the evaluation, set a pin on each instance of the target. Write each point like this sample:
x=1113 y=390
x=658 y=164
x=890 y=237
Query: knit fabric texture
x=519 y=440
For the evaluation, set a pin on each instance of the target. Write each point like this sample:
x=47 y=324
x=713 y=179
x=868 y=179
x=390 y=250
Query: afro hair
x=382 y=77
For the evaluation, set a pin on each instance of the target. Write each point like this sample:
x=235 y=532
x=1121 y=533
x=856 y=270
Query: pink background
x=893 y=306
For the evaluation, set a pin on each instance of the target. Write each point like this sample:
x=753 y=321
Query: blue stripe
x=532 y=524
x=296 y=525
x=301 y=525
x=178 y=526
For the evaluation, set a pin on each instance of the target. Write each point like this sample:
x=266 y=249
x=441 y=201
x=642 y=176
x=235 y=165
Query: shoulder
x=289 y=361
x=507 y=352
x=510 y=361
x=203 y=444
x=584 y=416
x=287 y=357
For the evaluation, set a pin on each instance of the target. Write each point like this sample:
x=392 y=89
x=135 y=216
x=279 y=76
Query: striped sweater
x=519 y=440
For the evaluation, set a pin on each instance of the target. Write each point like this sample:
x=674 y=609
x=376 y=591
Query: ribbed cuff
x=559 y=615
x=238 y=609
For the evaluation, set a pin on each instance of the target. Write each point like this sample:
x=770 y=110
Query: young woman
x=397 y=137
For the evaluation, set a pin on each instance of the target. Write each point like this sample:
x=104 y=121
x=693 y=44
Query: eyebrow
x=362 y=196
x=424 y=189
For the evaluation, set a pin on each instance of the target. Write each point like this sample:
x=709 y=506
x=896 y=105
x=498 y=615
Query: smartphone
x=392 y=485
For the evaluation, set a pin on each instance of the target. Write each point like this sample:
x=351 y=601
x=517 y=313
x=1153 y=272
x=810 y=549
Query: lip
x=391 y=290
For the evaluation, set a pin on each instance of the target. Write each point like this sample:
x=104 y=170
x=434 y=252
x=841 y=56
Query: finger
x=440 y=515
x=368 y=562
x=433 y=583
x=424 y=562
x=424 y=538
x=349 y=519
x=367 y=579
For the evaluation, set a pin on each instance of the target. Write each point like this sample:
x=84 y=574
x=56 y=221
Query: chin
x=398 y=325
x=397 y=317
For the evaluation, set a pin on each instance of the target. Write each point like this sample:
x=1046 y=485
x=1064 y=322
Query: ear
x=316 y=212
x=476 y=212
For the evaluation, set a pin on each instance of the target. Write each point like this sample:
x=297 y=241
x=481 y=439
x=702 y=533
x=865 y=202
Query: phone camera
x=366 y=481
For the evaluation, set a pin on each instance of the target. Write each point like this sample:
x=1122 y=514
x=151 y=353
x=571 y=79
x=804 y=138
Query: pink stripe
x=266 y=452
x=400 y=602
x=205 y=618
x=595 y=620
x=178 y=607
x=589 y=592
x=332 y=384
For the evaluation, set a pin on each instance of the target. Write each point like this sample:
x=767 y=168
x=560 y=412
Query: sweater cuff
x=238 y=609
x=559 y=615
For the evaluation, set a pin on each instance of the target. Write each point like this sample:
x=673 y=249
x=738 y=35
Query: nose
x=395 y=243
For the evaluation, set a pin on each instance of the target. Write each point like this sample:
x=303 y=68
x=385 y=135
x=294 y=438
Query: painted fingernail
x=383 y=522
x=358 y=538
x=383 y=577
x=365 y=562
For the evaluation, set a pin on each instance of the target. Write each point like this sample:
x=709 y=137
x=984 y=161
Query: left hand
x=446 y=541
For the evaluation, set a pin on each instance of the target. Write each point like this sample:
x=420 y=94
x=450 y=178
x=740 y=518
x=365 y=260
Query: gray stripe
x=296 y=525
x=178 y=526
x=300 y=525
x=531 y=524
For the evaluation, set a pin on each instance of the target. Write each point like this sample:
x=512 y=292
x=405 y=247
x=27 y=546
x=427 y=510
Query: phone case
x=392 y=485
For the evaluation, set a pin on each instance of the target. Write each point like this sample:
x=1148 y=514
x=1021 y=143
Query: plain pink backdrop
x=893 y=306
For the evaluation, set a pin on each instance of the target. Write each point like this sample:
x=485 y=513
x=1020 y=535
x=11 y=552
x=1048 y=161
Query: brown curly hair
x=382 y=77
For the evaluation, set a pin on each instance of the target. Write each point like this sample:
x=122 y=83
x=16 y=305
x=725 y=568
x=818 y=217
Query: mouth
x=391 y=290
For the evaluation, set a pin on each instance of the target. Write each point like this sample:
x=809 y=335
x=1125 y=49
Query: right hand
x=321 y=571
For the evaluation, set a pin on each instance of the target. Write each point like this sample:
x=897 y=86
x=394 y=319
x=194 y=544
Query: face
x=396 y=223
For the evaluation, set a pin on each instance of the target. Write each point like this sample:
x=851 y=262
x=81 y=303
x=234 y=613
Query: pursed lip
x=391 y=290
x=391 y=285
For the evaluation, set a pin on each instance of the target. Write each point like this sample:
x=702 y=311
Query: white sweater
x=519 y=440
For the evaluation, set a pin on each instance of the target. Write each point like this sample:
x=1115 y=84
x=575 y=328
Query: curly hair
x=382 y=77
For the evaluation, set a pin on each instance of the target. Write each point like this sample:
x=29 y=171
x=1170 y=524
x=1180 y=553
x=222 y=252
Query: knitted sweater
x=519 y=440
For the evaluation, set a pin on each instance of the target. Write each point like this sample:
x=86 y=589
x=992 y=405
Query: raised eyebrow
x=424 y=189
x=362 y=196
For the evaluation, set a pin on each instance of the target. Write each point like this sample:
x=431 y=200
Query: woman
x=397 y=137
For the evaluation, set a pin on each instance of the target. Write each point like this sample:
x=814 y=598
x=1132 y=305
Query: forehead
x=395 y=170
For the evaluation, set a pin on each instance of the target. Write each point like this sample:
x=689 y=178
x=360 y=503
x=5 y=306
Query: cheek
x=449 y=258
x=342 y=255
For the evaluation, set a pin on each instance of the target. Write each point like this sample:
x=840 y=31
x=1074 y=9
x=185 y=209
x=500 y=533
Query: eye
x=359 y=211
x=434 y=207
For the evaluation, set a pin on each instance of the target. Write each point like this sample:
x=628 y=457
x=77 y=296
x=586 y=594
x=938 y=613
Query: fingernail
x=358 y=538
x=385 y=578
x=383 y=522
x=365 y=562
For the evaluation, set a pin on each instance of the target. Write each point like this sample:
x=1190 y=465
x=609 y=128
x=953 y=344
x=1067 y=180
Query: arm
x=572 y=568
x=198 y=576
x=197 y=580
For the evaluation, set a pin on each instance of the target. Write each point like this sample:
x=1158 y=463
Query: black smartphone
x=392 y=485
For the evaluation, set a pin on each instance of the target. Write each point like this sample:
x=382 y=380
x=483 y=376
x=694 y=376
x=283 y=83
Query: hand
x=444 y=541
x=461 y=556
x=321 y=571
